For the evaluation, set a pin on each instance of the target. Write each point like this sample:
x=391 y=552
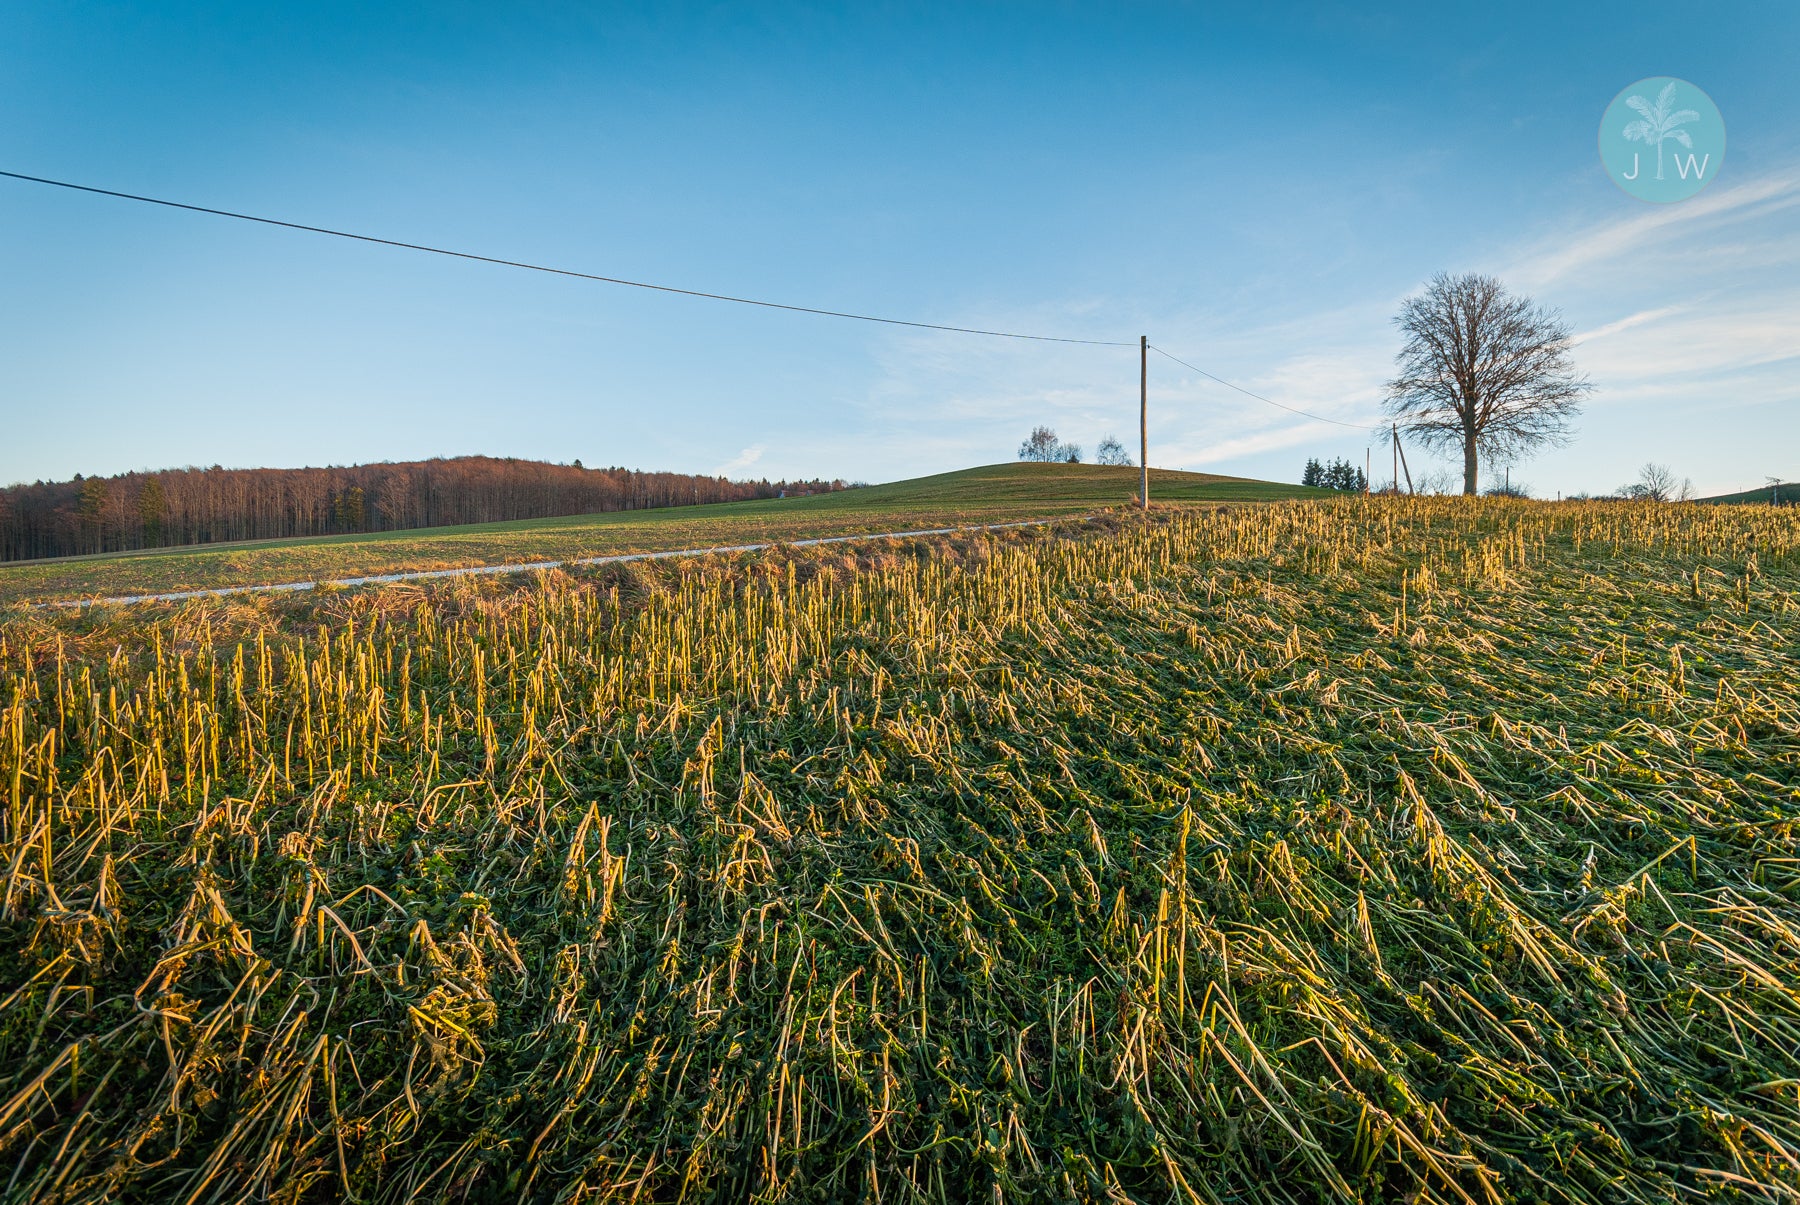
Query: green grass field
x=1434 y=850
x=1788 y=495
x=992 y=494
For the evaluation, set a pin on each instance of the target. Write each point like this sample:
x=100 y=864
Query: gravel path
x=528 y=566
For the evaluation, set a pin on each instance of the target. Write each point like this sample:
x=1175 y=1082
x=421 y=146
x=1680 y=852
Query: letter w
x=1684 y=168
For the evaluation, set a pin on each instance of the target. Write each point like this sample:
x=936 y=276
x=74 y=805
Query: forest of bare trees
x=204 y=506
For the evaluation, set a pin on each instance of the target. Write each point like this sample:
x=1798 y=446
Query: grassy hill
x=988 y=494
x=1057 y=485
x=1788 y=494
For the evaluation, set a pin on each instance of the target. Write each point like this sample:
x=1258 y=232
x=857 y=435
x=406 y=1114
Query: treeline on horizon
x=178 y=507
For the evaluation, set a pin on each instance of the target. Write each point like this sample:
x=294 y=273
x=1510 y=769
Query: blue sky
x=1257 y=193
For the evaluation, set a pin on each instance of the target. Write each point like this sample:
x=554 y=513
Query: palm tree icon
x=1658 y=122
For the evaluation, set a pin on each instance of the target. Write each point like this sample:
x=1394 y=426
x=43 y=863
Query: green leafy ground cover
x=1785 y=495
x=994 y=494
x=1375 y=850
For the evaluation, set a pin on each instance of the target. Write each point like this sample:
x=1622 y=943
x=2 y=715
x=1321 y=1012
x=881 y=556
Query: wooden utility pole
x=1396 y=460
x=1144 y=421
x=1401 y=453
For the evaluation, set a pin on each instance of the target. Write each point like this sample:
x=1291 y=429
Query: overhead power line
x=513 y=263
x=1259 y=397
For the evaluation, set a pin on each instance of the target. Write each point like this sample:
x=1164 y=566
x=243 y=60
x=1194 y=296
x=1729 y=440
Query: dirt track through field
x=528 y=566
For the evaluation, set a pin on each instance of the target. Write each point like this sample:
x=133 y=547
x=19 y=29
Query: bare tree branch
x=1658 y=483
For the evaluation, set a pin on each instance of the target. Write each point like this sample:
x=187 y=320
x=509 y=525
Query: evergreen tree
x=350 y=509
x=92 y=511
x=152 y=503
x=1340 y=474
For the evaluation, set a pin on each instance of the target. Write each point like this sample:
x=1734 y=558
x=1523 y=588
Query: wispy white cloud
x=739 y=463
x=1718 y=342
x=1626 y=323
x=1189 y=450
x=1555 y=255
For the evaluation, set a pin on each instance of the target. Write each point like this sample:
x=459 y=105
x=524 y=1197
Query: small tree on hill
x=1314 y=474
x=1041 y=445
x=1658 y=483
x=1111 y=451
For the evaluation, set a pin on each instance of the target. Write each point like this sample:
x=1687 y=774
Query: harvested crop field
x=1354 y=850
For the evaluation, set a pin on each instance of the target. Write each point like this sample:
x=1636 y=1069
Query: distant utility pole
x=1400 y=455
x=1144 y=421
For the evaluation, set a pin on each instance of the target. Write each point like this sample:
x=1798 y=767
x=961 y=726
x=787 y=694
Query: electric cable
x=1259 y=397
x=513 y=263
x=661 y=288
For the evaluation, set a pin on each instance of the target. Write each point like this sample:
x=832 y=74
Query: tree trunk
x=1469 y=465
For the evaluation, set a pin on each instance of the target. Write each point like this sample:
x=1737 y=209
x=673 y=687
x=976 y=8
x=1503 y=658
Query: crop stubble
x=1283 y=853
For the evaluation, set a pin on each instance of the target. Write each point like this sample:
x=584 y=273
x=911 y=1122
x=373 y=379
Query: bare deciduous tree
x=1111 y=451
x=1041 y=445
x=1485 y=371
x=1436 y=481
x=1658 y=483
